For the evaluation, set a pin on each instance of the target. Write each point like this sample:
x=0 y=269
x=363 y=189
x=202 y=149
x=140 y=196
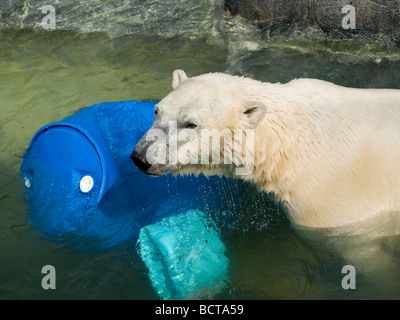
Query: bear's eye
x=190 y=126
x=155 y=111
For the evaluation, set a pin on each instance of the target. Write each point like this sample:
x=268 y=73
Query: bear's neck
x=277 y=152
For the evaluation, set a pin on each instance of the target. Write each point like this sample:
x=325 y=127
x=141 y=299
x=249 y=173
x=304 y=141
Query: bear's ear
x=255 y=111
x=177 y=77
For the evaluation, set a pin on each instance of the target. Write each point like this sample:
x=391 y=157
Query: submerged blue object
x=82 y=183
x=185 y=256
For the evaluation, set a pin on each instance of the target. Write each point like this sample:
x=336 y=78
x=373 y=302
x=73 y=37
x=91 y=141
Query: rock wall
x=373 y=18
x=117 y=17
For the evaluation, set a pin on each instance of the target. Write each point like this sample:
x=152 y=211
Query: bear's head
x=205 y=125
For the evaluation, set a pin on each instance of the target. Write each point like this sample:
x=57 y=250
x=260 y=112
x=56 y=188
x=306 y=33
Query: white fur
x=330 y=154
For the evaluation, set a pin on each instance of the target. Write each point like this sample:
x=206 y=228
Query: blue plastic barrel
x=71 y=165
x=75 y=149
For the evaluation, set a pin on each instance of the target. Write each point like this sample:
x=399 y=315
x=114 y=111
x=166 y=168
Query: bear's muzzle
x=140 y=161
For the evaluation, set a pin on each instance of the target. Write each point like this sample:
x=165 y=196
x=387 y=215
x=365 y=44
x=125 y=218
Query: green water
x=46 y=76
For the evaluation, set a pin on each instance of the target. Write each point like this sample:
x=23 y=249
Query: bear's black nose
x=140 y=161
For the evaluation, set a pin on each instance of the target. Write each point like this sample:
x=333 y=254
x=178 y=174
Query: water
x=46 y=76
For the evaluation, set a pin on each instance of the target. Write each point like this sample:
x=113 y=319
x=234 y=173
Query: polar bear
x=329 y=154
